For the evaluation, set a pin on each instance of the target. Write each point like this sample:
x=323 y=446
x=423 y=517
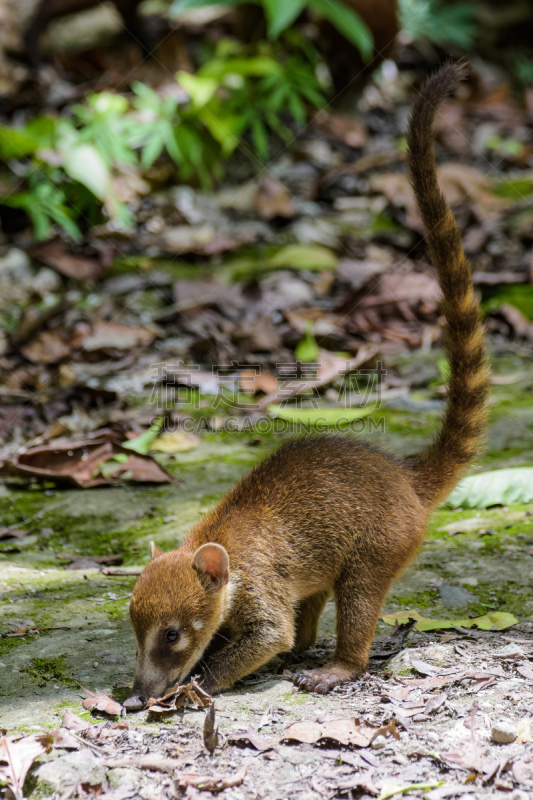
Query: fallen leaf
x=304 y=256
x=210 y=731
x=251 y=737
x=347 y=732
x=251 y=382
x=142 y=444
x=523 y=772
x=176 y=699
x=16 y=757
x=101 y=702
x=343 y=127
x=80 y=462
x=496 y=620
x=47 y=348
x=321 y=417
x=524 y=731
x=465 y=525
x=72 y=722
x=12 y=533
x=175 y=442
x=55 y=255
x=209 y=783
x=65 y=740
x=498 y=487
x=111 y=335
x=272 y=199
x=526 y=671
x=390 y=788
x=435 y=702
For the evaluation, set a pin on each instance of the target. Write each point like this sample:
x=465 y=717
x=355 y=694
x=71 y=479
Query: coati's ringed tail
x=439 y=467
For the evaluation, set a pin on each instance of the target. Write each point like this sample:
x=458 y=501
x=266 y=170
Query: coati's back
x=315 y=496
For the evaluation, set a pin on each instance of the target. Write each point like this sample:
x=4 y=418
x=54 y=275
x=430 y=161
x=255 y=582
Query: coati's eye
x=173 y=636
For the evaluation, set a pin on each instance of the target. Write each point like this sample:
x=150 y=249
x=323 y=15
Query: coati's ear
x=212 y=561
x=155 y=551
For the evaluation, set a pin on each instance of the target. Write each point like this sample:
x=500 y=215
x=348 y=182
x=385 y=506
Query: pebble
x=379 y=742
x=504 y=732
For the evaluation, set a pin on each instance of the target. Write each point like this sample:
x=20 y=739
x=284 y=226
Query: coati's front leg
x=359 y=596
x=257 y=645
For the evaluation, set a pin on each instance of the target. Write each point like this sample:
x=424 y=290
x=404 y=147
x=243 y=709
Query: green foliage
x=518 y=295
x=440 y=23
x=70 y=163
x=280 y=14
x=496 y=620
x=307 y=348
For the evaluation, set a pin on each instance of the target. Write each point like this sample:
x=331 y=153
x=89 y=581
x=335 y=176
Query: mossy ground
x=97 y=650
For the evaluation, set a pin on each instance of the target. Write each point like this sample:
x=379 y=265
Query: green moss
x=50 y=670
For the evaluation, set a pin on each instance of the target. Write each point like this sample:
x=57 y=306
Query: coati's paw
x=321 y=680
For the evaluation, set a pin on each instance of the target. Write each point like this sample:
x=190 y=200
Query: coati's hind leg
x=358 y=599
x=308 y=613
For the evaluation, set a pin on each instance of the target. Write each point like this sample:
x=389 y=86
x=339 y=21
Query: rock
x=379 y=742
x=455 y=596
x=400 y=664
x=68 y=771
x=124 y=776
x=504 y=732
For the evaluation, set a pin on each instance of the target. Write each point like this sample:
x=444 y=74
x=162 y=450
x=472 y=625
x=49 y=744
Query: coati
x=324 y=514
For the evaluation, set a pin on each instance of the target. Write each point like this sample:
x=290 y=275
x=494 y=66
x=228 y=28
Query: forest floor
x=423 y=688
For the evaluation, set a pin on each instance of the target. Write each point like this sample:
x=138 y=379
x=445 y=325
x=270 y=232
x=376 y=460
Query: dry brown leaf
x=347 y=732
x=251 y=382
x=526 y=670
x=16 y=757
x=523 y=772
x=72 y=722
x=209 y=783
x=65 y=740
x=249 y=736
x=176 y=699
x=210 y=731
x=101 y=702
x=47 y=348
x=80 y=462
x=81 y=268
x=342 y=127
x=111 y=335
x=272 y=199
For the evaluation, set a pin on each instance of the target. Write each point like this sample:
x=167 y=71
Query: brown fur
x=323 y=515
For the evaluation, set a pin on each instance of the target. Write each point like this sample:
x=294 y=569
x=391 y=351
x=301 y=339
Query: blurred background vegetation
x=252 y=75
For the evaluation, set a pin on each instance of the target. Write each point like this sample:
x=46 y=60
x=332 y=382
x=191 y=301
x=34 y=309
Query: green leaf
x=223 y=128
x=256 y=66
x=307 y=348
x=390 y=788
x=17 y=143
x=199 y=89
x=179 y=7
x=304 y=256
x=496 y=620
x=348 y=22
x=499 y=487
x=319 y=417
x=143 y=442
x=85 y=164
x=281 y=14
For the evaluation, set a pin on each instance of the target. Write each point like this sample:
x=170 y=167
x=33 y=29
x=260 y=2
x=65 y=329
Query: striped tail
x=438 y=469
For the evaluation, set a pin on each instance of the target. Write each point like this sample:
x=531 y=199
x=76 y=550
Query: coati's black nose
x=134 y=703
